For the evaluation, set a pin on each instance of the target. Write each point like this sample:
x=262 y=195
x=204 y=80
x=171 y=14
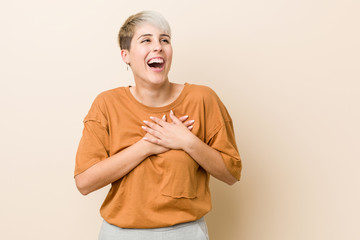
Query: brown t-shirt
x=164 y=189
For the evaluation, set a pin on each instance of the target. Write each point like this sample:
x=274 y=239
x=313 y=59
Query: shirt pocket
x=180 y=176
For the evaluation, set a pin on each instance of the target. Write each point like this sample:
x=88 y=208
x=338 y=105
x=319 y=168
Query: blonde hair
x=127 y=30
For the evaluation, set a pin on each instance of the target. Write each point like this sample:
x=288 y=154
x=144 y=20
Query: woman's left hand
x=174 y=135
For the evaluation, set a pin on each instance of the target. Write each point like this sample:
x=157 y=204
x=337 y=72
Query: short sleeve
x=94 y=143
x=220 y=133
x=223 y=140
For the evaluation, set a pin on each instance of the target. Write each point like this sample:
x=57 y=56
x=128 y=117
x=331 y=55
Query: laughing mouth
x=157 y=63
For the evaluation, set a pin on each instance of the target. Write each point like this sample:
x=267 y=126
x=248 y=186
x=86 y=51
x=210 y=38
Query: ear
x=125 y=56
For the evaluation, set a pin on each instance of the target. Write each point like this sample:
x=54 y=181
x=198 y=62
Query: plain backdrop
x=287 y=71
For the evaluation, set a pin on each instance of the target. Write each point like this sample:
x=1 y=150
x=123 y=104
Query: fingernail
x=190 y=127
x=171 y=112
x=164 y=117
x=192 y=121
x=145 y=121
x=143 y=127
x=151 y=117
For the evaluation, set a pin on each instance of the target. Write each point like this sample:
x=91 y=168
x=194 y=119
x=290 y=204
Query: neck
x=154 y=96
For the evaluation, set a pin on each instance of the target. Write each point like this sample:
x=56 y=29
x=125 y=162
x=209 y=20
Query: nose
x=157 y=46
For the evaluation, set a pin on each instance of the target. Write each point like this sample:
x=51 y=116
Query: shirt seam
x=217 y=129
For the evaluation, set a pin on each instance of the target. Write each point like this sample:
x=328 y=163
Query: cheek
x=138 y=57
x=170 y=50
x=169 y=53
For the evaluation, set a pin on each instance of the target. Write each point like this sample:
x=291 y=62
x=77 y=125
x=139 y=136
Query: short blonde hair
x=127 y=30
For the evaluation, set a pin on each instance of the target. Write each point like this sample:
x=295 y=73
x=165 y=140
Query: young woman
x=156 y=143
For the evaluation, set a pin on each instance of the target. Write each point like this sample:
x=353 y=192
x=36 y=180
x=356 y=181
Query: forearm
x=209 y=159
x=176 y=135
x=112 y=168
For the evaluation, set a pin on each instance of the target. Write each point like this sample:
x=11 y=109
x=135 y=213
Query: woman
x=158 y=163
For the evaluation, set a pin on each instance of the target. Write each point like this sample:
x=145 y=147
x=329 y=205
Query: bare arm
x=112 y=168
x=118 y=165
x=176 y=136
x=209 y=159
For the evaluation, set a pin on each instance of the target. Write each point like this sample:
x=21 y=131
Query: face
x=150 y=55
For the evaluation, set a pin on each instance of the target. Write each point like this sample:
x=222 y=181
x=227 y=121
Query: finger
x=190 y=128
x=189 y=123
x=183 y=118
x=174 y=118
x=153 y=126
x=152 y=132
x=151 y=139
x=158 y=121
x=148 y=136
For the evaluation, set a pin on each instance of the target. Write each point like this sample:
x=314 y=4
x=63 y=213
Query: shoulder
x=104 y=100
x=109 y=93
x=202 y=91
x=213 y=105
x=108 y=97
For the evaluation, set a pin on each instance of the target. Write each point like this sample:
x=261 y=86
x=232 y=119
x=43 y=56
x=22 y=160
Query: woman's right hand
x=154 y=149
x=118 y=165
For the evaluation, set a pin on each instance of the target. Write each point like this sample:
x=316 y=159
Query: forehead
x=148 y=28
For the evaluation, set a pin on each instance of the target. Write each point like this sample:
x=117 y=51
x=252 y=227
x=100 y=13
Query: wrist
x=144 y=147
x=190 y=143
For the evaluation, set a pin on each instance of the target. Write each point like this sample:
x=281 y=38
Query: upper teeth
x=156 y=60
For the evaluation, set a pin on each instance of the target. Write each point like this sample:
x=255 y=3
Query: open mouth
x=156 y=63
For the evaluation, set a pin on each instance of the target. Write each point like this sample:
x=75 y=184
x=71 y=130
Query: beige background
x=288 y=72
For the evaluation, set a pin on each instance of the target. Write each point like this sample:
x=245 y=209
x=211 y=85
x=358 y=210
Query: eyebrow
x=148 y=34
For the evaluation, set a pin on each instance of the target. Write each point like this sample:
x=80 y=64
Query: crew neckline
x=167 y=107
